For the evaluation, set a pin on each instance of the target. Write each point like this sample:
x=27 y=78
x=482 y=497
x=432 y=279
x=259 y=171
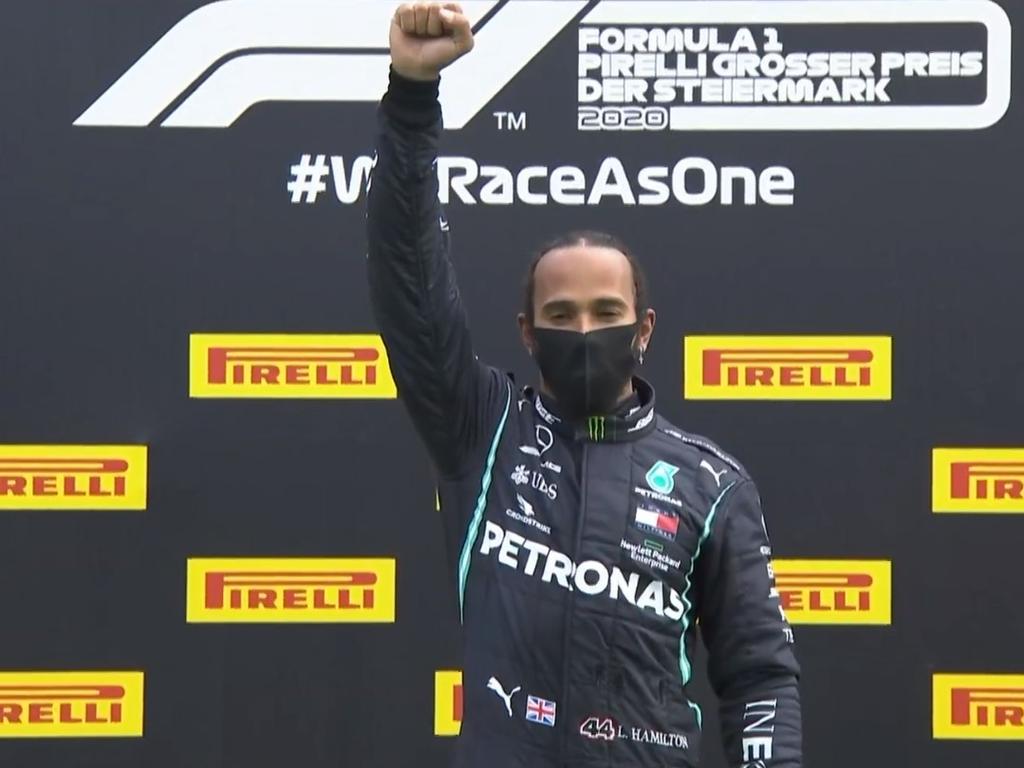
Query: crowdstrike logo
x=589 y=577
x=709 y=65
x=524 y=505
x=527 y=516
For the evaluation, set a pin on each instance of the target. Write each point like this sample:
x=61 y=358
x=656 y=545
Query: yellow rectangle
x=289 y=366
x=290 y=590
x=978 y=480
x=447 y=702
x=835 y=591
x=978 y=707
x=787 y=367
x=94 y=477
x=43 y=705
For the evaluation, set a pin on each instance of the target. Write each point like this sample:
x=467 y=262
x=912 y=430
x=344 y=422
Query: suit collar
x=635 y=422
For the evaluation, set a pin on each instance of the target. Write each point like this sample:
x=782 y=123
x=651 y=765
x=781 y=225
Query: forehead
x=582 y=272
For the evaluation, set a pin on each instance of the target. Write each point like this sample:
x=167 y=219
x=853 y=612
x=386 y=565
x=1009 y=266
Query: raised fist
x=427 y=37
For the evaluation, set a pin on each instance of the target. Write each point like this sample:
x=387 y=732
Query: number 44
x=598 y=728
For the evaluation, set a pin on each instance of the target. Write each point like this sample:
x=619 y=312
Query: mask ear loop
x=640 y=352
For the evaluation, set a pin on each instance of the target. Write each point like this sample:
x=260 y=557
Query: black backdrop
x=118 y=242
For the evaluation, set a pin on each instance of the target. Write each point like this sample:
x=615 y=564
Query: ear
x=525 y=333
x=646 y=329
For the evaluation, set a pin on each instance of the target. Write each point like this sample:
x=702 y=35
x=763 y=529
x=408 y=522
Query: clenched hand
x=427 y=37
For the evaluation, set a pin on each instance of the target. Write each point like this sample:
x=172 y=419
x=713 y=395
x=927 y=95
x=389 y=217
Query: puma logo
x=717 y=475
x=494 y=685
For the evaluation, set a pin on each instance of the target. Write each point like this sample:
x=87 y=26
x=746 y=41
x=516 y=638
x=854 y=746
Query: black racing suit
x=583 y=555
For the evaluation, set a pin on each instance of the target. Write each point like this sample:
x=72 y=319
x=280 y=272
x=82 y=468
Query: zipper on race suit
x=567 y=639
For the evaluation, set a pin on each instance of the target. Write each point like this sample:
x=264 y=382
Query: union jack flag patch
x=540 y=710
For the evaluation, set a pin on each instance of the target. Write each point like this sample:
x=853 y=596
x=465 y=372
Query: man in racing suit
x=585 y=545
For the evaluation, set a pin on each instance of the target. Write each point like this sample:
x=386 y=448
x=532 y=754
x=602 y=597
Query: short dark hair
x=588 y=237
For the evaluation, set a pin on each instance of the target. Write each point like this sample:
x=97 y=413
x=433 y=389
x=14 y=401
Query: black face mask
x=587 y=372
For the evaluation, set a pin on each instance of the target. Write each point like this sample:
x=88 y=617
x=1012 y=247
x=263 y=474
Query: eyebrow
x=613 y=302
x=604 y=302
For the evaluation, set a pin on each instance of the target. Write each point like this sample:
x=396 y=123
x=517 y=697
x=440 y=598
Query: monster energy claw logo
x=661 y=477
x=595 y=428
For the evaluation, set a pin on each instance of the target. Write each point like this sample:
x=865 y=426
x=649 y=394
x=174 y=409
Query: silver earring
x=641 y=355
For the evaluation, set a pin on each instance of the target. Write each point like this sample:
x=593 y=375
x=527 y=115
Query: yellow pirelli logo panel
x=978 y=480
x=447 y=702
x=291 y=590
x=94 y=477
x=70 y=704
x=982 y=707
x=835 y=591
x=289 y=366
x=787 y=368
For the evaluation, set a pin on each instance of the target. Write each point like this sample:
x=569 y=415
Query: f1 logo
x=247 y=51
x=223 y=58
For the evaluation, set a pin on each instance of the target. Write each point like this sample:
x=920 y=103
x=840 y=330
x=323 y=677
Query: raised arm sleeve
x=449 y=394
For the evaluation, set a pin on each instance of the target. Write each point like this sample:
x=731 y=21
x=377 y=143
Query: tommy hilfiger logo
x=664 y=524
